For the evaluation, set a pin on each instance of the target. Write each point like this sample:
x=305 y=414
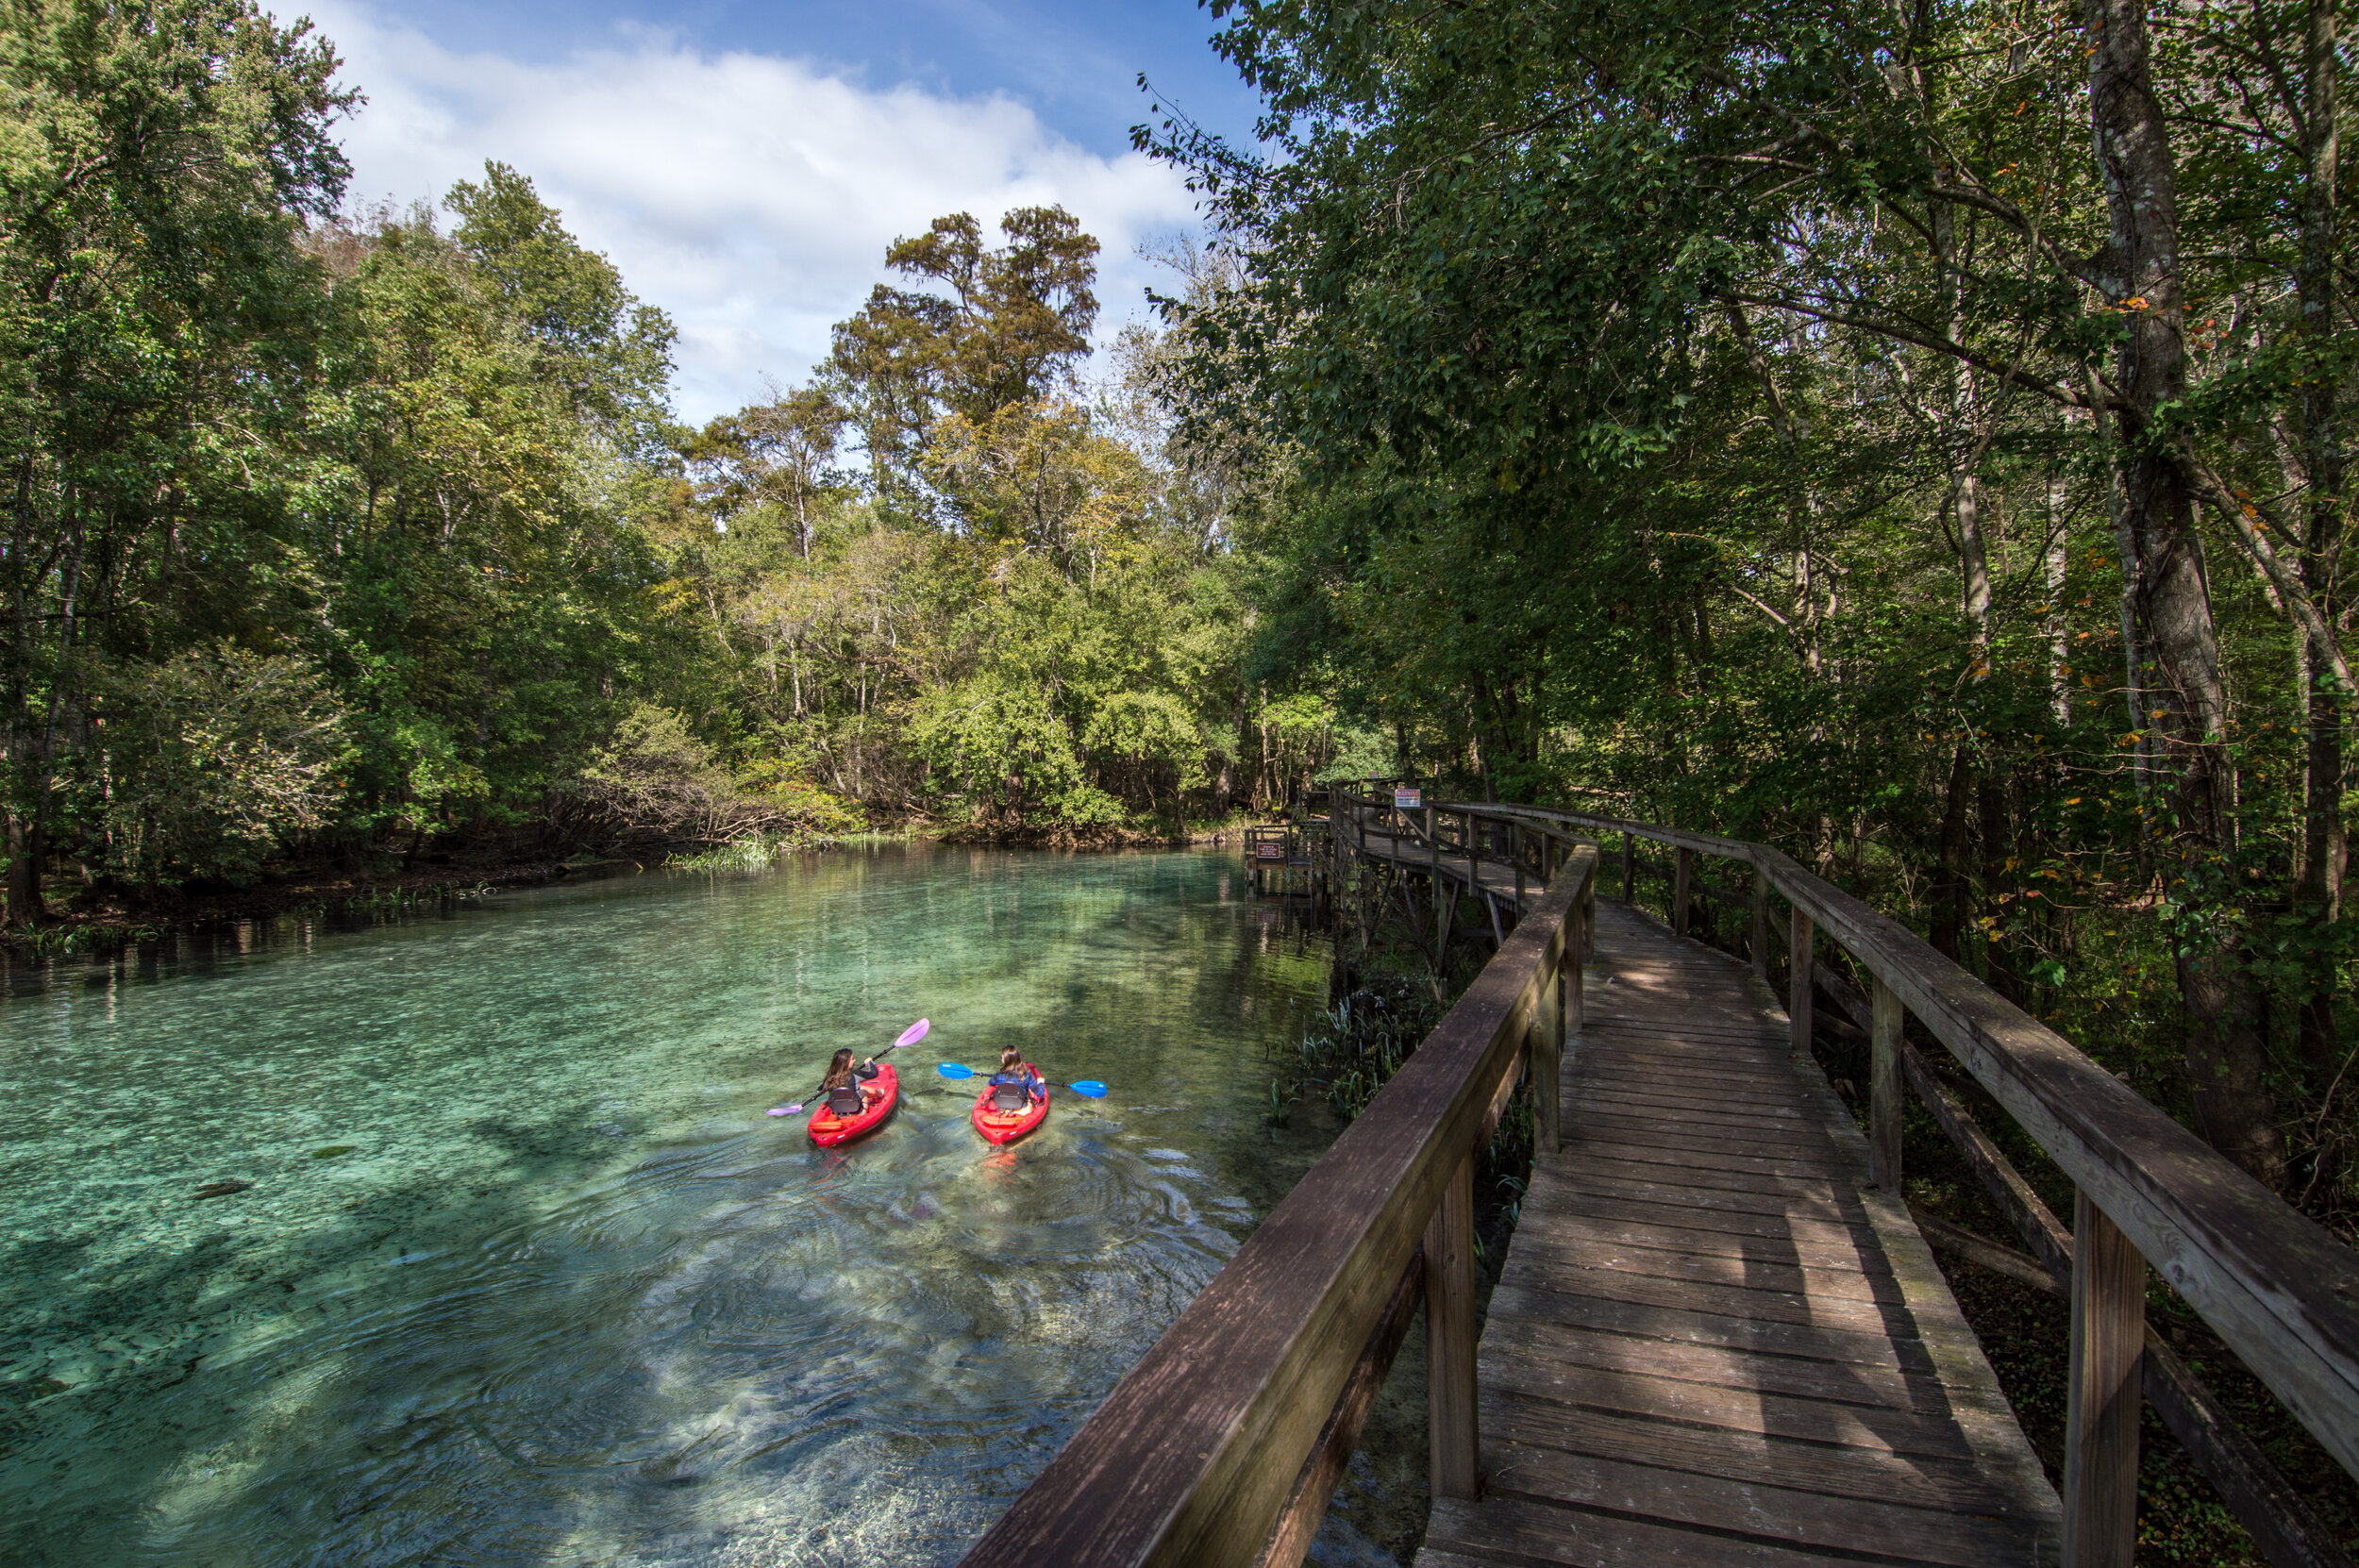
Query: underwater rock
x=219 y=1189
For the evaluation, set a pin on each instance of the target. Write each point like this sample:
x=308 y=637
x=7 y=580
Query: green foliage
x=207 y=763
x=1724 y=415
x=407 y=483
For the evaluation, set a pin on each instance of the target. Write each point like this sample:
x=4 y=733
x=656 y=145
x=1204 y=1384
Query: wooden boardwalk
x=1714 y=1341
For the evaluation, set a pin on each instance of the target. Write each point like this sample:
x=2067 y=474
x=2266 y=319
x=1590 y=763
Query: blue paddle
x=910 y=1036
x=1088 y=1087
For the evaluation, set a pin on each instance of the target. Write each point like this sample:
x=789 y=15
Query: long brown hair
x=839 y=1071
x=1010 y=1057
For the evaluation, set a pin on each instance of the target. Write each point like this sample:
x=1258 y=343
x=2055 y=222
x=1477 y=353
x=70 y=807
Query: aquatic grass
x=753 y=852
x=1353 y=1050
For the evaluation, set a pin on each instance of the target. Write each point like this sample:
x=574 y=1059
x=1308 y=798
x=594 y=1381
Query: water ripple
x=568 y=1297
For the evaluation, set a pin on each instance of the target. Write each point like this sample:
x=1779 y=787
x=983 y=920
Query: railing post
x=1449 y=1337
x=1630 y=865
x=1575 y=992
x=2107 y=1393
x=1759 y=941
x=1434 y=877
x=1679 y=881
x=1883 y=1089
x=1335 y=850
x=1798 y=983
x=1548 y=1040
x=1516 y=853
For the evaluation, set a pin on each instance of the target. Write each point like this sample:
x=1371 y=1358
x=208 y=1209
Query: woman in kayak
x=1015 y=1085
x=840 y=1089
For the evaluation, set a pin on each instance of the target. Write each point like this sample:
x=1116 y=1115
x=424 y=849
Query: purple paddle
x=910 y=1036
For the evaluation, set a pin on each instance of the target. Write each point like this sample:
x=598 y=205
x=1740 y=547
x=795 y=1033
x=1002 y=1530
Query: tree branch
x=2298 y=601
x=2055 y=391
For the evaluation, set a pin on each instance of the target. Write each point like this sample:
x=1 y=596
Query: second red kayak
x=1006 y=1127
x=878 y=1096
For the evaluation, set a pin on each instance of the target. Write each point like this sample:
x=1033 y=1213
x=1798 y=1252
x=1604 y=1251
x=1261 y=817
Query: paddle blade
x=914 y=1033
x=1090 y=1089
x=953 y=1070
x=783 y=1110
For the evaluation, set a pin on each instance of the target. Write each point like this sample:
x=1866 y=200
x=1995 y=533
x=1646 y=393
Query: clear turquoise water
x=571 y=1297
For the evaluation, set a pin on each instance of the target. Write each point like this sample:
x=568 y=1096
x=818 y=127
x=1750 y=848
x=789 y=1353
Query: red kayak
x=1006 y=1127
x=877 y=1095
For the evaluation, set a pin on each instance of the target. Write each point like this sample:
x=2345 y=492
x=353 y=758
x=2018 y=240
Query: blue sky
x=1075 y=64
x=745 y=165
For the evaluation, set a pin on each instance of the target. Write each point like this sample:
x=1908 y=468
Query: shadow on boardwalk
x=1714 y=1341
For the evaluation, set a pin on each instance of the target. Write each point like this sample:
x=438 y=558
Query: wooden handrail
x=2277 y=1289
x=2280 y=1292
x=1193 y=1456
x=1205 y=1442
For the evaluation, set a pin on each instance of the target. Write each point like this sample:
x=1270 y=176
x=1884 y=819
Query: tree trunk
x=25 y=910
x=1950 y=892
x=1990 y=811
x=2053 y=562
x=2233 y=1108
x=1974 y=574
x=2319 y=895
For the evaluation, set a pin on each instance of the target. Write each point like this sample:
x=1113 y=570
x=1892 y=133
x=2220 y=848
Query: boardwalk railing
x=2279 y=1292
x=1224 y=1444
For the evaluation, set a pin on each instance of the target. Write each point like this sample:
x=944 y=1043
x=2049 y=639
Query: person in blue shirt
x=1015 y=1086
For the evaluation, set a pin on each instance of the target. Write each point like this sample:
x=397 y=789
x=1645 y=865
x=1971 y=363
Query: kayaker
x=840 y=1087
x=1015 y=1085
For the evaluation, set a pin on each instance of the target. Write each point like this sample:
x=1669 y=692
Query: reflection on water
x=523 y=1275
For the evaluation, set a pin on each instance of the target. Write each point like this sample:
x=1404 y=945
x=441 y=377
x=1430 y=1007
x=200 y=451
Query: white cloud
x=751 y=196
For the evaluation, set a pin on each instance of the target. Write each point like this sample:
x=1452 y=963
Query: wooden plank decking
x=1714 y=1342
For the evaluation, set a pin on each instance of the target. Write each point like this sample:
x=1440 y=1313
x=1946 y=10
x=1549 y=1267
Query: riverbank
x=97 y=918
x=112 y=920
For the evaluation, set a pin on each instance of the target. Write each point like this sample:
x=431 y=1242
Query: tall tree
x=157 y=324
x=1007 y=328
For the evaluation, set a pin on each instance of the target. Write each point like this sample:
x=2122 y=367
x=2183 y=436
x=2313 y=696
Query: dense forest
x=1913 y=435
x=362 y=535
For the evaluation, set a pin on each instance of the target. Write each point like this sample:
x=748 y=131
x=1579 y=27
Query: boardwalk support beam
x=2101 y=1422
x=1799 y=984
x=1450 y=1335
x=1883 y=1090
